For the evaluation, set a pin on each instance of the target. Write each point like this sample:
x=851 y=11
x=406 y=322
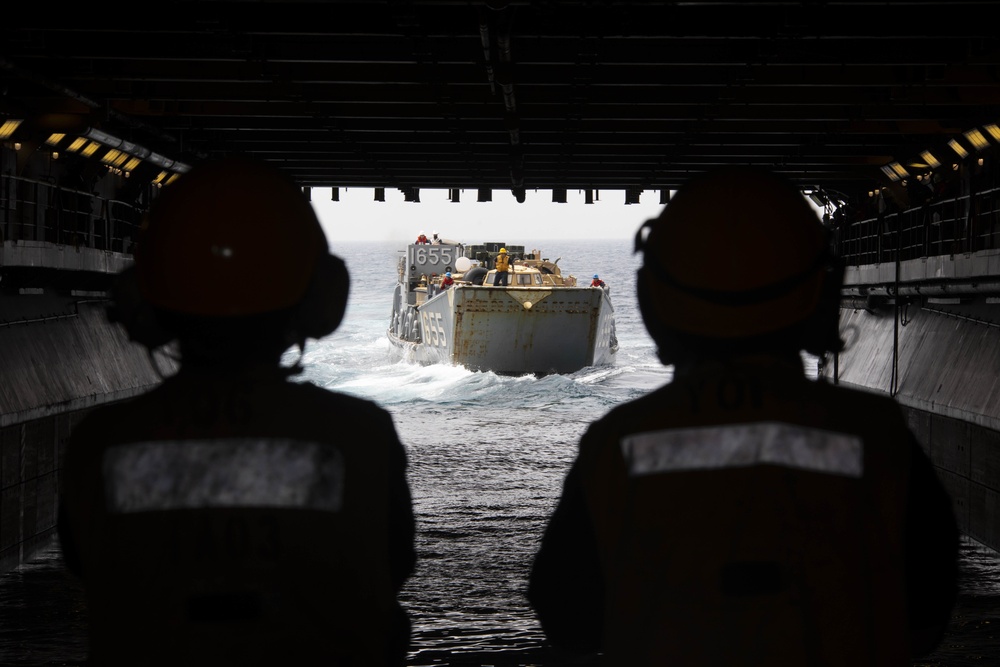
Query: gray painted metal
x=540 y=328
x=63 y=354
x=42 y=254
x=947 y=378
x=59 y=357
x=944 y=365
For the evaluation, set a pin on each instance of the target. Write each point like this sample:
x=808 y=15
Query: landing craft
x=541 y=323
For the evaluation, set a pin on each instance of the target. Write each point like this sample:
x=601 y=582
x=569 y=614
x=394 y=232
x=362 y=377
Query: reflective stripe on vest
x=250 y=473
x=744 y=445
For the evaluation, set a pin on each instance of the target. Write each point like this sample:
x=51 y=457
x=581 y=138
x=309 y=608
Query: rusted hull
x=511 y=330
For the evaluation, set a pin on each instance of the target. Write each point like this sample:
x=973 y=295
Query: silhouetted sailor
x=744 y=514
x=228 y=516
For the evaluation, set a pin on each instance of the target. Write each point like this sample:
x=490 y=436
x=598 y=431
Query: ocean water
x=487 y=457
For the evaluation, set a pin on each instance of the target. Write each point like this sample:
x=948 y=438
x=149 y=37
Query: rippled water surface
x=487 y=458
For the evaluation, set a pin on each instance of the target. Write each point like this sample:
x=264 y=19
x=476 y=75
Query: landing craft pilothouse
x=540 y=323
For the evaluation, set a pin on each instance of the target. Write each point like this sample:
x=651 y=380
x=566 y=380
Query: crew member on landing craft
x=422 y=238
x=225 y=517
x=447 y=281
x=597 y=282
x=744 y=514
x=502 y=265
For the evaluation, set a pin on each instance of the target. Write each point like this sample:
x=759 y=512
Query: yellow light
x=977 y=139
x=113 y=156
x=8 y=128
x=899 y=169
x=890 y=172
x=994 y=130
x=930 y=159
x=55 y=138
x=90 y=149
x=162 y=176
x=76 y=145
x=132 y=164
x=957 y=147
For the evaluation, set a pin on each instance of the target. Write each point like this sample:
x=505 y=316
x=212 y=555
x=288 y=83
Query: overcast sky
x=358 y=217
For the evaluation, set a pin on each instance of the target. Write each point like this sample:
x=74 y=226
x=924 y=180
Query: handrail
x=941 y=227
x=39 y=210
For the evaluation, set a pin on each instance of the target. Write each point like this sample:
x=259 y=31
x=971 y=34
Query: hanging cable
x=894 y=380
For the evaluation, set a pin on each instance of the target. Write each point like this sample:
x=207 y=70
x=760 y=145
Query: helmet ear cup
x=666 y=342
x=323 y=306
x=129 y=309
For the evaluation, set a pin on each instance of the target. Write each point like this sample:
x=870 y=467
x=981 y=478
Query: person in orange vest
x=224 y=516
x=597 y=282
x=745 y=513
x=447 y=281
x=422 y=238
x=502 y=266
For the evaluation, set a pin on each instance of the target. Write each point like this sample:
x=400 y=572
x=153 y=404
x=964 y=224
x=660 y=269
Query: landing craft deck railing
x=36 y=210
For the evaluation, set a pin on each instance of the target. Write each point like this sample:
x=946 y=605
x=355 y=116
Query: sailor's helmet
x=233 y=237
x=718 y=274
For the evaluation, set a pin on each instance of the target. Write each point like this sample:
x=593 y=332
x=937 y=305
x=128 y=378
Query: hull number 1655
x=434 y=255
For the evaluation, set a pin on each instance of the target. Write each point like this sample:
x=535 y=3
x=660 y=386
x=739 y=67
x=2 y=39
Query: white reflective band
x=167 y=475
x=744 y=445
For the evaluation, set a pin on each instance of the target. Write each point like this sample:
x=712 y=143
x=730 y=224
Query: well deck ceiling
x=518 y=95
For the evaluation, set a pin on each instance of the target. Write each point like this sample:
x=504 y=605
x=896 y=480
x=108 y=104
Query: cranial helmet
x=233 y=238
x=737 y=258
x=448 y=273
x=503 y=250
x=596 y=277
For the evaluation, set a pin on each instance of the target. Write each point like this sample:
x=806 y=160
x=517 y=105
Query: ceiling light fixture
x=9 y=126
x=929 y=158
x=976 y=138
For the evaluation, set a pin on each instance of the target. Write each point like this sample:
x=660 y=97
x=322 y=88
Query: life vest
x=503 y=262
x=744 y=515
x=225 y=521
